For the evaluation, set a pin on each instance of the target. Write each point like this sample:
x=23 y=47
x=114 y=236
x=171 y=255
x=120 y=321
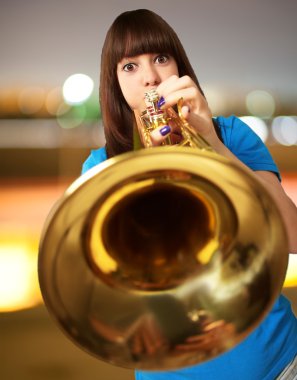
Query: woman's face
x=137 y=75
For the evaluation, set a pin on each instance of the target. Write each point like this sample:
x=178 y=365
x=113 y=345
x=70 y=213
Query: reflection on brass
x=164 y=257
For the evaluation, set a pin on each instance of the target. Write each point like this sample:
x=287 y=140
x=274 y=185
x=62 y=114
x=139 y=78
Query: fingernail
x=165 y=130
x=161 y=102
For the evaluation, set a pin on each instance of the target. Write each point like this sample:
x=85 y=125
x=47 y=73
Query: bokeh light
x=73 y=117
x=31 y=100
x=216 y=99
x=19 y=287
x=77 y=89
x=54 y=101
x=260 y=103
x=284 y=130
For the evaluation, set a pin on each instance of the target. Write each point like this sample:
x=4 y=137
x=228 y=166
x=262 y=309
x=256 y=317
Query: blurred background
x=244 y=53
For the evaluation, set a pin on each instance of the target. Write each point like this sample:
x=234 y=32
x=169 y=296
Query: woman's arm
x=198 y=114
x=271 y=183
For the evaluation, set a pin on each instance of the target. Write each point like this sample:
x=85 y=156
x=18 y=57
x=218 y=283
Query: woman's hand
x=195 y=109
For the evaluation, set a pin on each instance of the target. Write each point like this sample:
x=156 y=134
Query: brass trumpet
x=165 y=257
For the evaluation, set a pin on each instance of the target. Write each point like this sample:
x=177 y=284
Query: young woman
x=142 y=52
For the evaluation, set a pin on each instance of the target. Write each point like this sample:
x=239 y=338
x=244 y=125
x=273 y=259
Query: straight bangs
x=141 y=36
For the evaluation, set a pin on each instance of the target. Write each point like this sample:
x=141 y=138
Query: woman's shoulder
x=245 y=144
x=96 y=157
x=233 y=128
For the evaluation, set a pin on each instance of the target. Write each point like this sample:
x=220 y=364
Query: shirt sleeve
x=246 y=145
x=96 y=157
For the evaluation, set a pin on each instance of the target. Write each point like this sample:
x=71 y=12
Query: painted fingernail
x=165 y=130
x=161 y=102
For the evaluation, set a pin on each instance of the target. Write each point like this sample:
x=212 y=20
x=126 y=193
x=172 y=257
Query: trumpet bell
x=154 y=262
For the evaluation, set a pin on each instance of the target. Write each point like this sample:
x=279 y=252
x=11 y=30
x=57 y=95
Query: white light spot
x=284 y=129
x=77 y=89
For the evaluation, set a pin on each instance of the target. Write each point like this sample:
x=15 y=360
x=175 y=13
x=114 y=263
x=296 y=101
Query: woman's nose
x=151 y=77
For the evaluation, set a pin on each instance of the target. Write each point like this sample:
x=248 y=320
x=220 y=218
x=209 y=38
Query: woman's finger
x=189 y=95
x=159 y=135
x=175 y=83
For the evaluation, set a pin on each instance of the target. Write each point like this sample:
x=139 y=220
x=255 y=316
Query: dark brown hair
x=132 y=33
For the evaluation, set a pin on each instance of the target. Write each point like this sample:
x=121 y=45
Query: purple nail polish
x=165 y=130
x=161 y=102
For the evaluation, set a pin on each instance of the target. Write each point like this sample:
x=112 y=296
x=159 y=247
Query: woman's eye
x=129 y=67
x=162 y=59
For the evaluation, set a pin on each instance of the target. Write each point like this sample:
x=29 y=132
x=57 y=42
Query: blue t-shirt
x=273 y=344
